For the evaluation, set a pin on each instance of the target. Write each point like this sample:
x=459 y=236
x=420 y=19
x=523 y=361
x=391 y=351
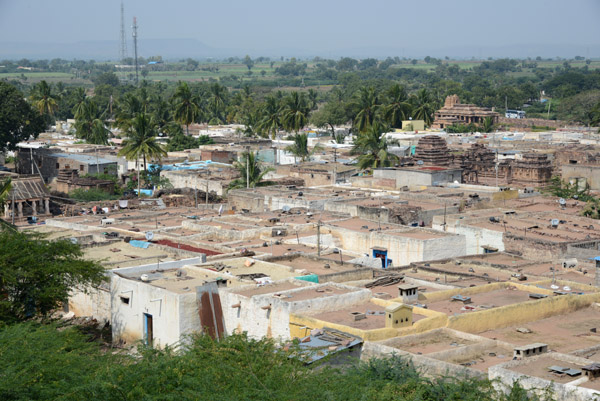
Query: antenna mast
x=134 y=27
x=123 y=47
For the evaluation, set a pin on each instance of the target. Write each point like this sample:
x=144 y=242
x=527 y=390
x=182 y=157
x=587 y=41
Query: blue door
x=382 y=254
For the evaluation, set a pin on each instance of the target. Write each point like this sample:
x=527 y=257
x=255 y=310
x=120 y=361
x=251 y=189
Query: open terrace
x=563 y=333
x=480 y=301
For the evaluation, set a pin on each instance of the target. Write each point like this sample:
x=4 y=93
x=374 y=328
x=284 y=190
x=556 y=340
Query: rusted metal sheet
x=210 y=311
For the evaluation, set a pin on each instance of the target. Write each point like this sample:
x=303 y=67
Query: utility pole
x=319 y=238
x=196 y=194
x=247 y=167
x=134 y=27
x=31 y=157
x=97 y=164
x=206 y=192
x=445 y=205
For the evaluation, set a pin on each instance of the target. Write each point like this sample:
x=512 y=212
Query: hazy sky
x=319 y=25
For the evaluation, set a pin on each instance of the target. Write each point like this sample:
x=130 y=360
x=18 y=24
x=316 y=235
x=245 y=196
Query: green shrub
x=91 y=195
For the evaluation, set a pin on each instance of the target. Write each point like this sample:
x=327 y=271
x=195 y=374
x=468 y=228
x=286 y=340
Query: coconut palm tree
x=270 y=117
x=313 y=96
x=372 y=148
x=300 y=147
x=186 y=106
x=251 y=171
x=295 y=112
x=398 y=108
x=90 y=124
x=43 y=99
x=162 y=113
x=141 y=142
x=367 y=104
x=128 y=107
x=79 y=97
x=423 y=106
x=216 y=103
x=487 y=125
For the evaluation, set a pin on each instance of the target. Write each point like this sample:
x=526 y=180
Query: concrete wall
x=250 y=317
x=477 y=237
x=401 y=249
x=174 y=315
x=240 y=199
x=187 y=179
x=164 y=306
x=96 y=303
x=534 y=249
x=415 y=177
x=427 y=366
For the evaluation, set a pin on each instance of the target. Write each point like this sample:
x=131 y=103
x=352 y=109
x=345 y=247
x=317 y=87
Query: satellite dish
x=554 y=222
x=567 y=288
x=420 y=162
x=73 y=240
x=562 y=201
x=554 y=287
x=149 y=235
x=286 y=208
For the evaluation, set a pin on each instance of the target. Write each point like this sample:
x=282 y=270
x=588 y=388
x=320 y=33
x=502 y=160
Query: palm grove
x=142 y=113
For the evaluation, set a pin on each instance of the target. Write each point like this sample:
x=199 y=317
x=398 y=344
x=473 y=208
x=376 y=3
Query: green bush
x=41 y=362
x=91 y=195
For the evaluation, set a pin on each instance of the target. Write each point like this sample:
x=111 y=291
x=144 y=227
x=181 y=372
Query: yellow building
x=413 y=125
x=398 y=315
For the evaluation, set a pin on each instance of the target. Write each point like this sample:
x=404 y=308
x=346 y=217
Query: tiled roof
x=27 y=188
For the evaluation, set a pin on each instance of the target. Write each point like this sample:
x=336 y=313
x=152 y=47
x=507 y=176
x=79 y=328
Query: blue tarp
x=187 y=165
x=313 y=278
x=146 y=192
x=139 y=244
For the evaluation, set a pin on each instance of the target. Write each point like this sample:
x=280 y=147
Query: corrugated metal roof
x=83 y=158
x=27 y=188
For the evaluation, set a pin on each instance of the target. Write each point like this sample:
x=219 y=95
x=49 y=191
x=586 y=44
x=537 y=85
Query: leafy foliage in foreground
x=36 y=275
x=43 y=362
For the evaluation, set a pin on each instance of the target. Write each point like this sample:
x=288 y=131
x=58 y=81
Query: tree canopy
x=36 y=275
x=47 y=362
x=18 y=120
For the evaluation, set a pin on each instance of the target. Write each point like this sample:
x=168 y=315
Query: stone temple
x=454 y=112
x=432 y=150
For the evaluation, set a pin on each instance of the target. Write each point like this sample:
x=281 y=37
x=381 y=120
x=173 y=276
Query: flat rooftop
x=122 y=254
x=322 y=291
x=486 y=300
x=375 y=316
x=274 y=288
x=429 y=342
x=365 y=226
x=375 y=202
x=538 y=226
x=538 y=367
x=481 y=359
x=315 y=266
x=563 y=333
x=236 y=267
x=545 y=204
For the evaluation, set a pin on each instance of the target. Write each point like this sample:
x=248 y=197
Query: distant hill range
x=174 y=49
x=108 y=49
